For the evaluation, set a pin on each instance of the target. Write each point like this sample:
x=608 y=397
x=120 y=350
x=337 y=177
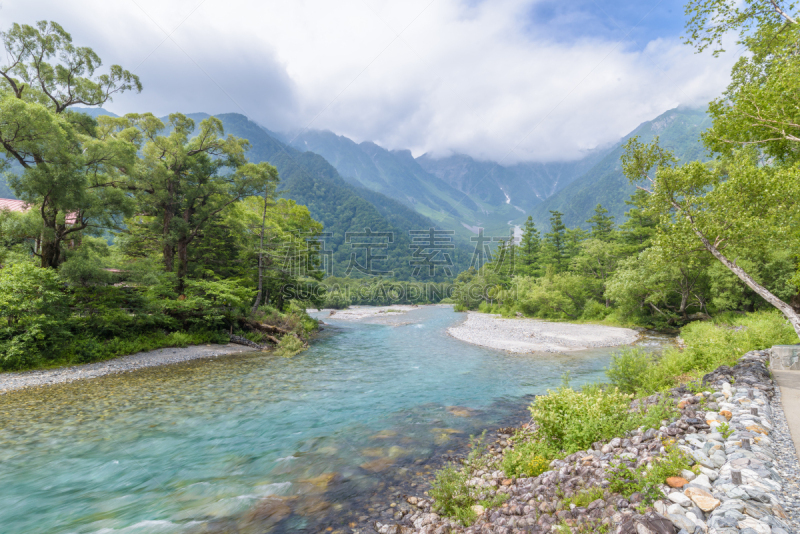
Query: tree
x=184 y=182
x=602 y=224
x=286 y=252
x=556 y=241
x=728 y=207
x=639 y=227
x=529 y=248
x=70 y=168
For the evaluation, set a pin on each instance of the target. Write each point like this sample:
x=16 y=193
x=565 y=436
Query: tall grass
x=708 y=345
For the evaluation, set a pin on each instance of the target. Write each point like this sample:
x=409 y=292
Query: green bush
x=528 y=458
x=571 y=420
x=626 y=480
x=711 y=344
x=289 y=346
x=629 y=369
x=593 y=311
x=453 y=498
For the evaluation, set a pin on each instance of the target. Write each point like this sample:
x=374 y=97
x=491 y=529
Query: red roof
x=18 y=205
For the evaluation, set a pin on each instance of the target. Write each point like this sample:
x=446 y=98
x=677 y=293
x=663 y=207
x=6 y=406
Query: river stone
x=680 y=498
x=676 y=482
x=703 y=499
x=755 y=524
x=682 y=522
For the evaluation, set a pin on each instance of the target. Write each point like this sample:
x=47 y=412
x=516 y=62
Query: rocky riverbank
x=532 y=335
x=744 y=478
x=140 y=360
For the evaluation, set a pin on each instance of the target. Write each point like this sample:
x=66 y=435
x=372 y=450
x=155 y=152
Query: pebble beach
x=531 y=335
x=140 y=360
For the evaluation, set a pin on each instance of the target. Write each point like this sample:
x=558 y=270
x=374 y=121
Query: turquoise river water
x=256 y=443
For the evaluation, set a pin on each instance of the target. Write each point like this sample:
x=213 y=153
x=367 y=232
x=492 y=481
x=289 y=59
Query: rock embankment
x=531 y=335
x=744 y=479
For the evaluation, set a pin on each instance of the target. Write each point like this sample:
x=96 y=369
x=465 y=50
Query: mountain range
x=464 y=194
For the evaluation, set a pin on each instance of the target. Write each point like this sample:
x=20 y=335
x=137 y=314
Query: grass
x=88 y=350
x=708 y=345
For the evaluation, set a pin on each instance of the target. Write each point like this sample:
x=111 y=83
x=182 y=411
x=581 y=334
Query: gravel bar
x=531 y=335
x=140 y=360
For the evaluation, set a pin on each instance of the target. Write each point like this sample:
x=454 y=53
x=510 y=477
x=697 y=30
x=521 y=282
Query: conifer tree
x=602 y=224
x=529 y=249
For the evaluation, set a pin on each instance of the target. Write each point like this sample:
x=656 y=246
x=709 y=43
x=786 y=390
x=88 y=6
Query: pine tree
x=602 y=224
x=639 y=227
x=556 y=240
x=529 y=249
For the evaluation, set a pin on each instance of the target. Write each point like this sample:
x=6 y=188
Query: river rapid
x=257 y=443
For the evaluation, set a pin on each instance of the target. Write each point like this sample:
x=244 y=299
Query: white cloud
x=477 y=78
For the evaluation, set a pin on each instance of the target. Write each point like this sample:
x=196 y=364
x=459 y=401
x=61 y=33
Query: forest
x=134 y=233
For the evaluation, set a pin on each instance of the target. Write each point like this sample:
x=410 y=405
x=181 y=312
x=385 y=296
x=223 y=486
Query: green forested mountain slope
x=457 y=192
x=394 y=173
x=523 y=185
x=310 y=180
x=678 y=130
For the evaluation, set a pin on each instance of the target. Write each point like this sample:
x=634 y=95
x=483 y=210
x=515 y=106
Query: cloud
x=490 y=79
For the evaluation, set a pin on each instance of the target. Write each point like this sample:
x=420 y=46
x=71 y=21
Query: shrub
x=571 y=420
x=529 y=457
x=451 y=495
x=593 y=310
x=454 y=498
x=629 y=369
x=626 y=481
x=289 y=346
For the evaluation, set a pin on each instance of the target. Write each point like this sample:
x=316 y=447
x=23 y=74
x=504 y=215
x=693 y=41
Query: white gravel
x=140 y=360
x=357 y=313
x=531 y=335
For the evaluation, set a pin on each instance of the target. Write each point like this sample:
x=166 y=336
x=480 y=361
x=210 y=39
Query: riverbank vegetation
x=134 y=233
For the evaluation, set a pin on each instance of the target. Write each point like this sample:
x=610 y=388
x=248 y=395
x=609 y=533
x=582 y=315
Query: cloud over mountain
x=507 y=80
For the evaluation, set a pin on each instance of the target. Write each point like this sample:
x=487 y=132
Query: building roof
x=11 y=204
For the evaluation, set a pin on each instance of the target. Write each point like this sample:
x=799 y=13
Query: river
x=335 y=433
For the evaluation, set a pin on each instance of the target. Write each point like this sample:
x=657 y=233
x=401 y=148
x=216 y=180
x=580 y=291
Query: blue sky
x=506 y=80
x=635 y=22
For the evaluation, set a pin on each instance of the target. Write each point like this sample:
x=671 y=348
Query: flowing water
x=257 y=443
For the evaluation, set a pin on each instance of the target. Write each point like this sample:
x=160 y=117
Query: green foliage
x=626 y=480
x=707 y=346
x=629 y=368
x=725 y=430
x=571 y=420
x=289 y=346
x=584 y=497
x=454 y=498
x=529 y=457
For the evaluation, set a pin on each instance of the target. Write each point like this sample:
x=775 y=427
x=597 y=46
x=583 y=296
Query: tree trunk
x=760 y=290
x=169 y=248
x=261 y=254
x=51 y=253
x=183 y=261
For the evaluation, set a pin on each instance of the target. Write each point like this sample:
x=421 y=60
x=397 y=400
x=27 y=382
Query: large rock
x=703 y=499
